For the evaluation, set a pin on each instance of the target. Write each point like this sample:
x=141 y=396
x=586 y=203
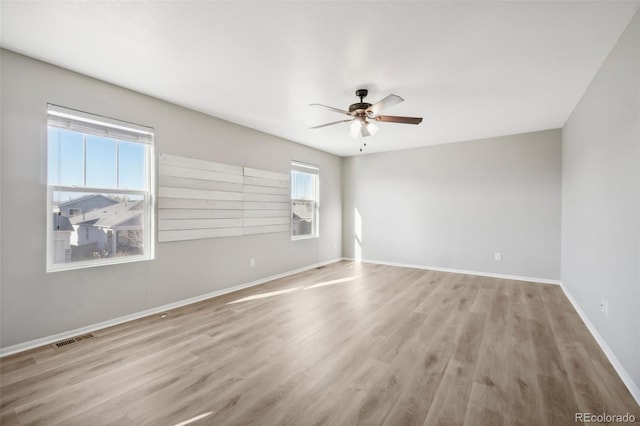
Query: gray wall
x=35 y=304
x=601 y=200
x=455 y=205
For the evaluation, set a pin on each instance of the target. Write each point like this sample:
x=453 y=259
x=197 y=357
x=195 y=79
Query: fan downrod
x=362 y=105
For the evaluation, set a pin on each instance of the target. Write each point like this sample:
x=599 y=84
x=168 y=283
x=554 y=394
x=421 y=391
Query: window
x=99 y=189
x=304 y=200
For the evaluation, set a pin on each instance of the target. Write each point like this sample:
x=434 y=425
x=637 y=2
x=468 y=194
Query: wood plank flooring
x=345 y=344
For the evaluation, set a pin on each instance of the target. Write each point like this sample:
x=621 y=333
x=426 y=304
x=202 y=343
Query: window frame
x=147 y=194
x=311 y=169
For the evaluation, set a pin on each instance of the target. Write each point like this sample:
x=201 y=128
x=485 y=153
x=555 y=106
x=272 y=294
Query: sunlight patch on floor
x=264 y=295
x=194 y=419
x=290 y=290
x=332 y=282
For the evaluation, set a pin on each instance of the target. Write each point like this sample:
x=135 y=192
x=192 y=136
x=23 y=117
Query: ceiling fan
x=362 y=114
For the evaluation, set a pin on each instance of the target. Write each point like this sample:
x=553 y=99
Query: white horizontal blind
x=306 y=168
x=198 y=199
x=266 y=202
x=202 y=199
x=82 y=122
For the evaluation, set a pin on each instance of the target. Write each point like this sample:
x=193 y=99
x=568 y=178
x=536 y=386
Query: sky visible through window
x=110 y=163
x=303 y=187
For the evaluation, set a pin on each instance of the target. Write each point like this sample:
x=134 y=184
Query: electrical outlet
x=604 y=307
x=497 y=257
x=252 y=262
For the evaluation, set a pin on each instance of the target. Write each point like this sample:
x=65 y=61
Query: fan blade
x=396 y=119
x=385 y=103
x=341 y=111
x=331 y=124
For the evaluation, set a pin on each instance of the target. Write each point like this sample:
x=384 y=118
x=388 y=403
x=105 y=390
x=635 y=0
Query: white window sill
x=303 y=237
x=93 y=263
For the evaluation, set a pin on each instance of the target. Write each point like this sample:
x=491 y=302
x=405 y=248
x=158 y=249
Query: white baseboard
x=459 y=271
x=31 y=344
x=626 y=378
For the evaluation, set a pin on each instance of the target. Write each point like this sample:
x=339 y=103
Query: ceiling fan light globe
x=372 y=128
x=355 y=129
x=364 y=131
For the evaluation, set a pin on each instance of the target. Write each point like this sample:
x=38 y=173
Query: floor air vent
x=72 y=340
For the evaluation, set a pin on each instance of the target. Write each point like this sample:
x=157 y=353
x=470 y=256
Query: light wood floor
x=344 y=344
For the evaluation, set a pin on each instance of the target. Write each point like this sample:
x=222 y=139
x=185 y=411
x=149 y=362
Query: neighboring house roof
x=87 y=198
x=302 y=211
x=61 y=223
x=124 y=213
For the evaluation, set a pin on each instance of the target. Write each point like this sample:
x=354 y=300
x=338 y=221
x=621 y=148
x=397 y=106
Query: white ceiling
x=471 y=69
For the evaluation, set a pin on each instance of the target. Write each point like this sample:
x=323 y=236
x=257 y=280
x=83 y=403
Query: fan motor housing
x=359 y=106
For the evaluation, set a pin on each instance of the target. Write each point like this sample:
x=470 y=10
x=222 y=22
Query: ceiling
x=471 y=69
